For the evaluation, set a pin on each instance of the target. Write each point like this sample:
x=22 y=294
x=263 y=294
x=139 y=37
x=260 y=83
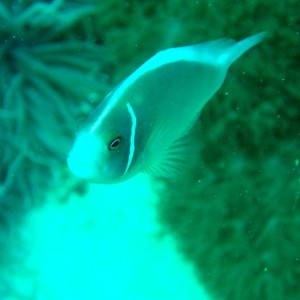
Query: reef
x=235 y=213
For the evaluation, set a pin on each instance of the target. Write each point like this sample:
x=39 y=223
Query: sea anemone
x=50 y=75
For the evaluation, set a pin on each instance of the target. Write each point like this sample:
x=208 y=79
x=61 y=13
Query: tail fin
x=239 y=48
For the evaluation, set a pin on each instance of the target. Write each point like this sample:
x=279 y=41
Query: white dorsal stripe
x=162 y=58
x=132 y=136
x=111 y=103
x=101 y=118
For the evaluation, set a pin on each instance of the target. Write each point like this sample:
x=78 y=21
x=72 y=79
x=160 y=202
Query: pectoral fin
x=173 y=161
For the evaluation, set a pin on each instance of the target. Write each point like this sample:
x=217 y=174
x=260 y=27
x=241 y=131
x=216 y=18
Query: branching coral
x=50 y=75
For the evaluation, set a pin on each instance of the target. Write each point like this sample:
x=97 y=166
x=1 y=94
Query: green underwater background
x=234 y=214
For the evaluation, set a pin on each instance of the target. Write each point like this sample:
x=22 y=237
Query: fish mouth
x=87 y=171
x=80 y=168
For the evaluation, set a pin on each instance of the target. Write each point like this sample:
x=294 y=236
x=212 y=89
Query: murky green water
x=225 y=229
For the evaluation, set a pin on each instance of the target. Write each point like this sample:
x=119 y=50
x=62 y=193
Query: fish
x=141 y=125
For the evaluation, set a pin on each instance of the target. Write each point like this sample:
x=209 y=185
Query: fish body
x=140 y=125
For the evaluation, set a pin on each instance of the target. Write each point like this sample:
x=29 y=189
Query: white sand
x=105 y=246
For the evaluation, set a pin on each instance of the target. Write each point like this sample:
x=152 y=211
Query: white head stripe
x=132 y=136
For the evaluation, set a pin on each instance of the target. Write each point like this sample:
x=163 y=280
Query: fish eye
x=114 y=144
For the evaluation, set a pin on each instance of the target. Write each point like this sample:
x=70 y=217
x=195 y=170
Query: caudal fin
x=239 y=48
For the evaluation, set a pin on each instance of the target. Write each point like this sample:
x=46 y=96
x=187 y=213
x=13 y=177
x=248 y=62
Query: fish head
x=102 y=151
